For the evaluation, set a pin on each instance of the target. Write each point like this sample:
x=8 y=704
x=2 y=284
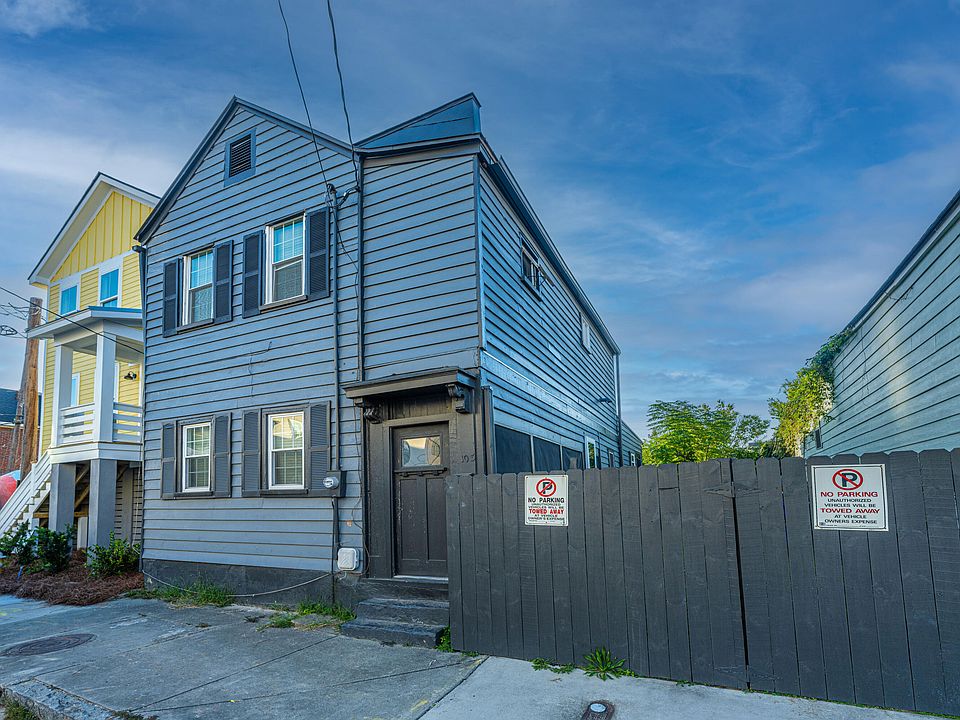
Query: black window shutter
x=251 y=454
x=221 y=456
x=318 y=428
x=171 y=297
x=222 y=282
x=318 y=262
x=168 y=461
x=252 y=253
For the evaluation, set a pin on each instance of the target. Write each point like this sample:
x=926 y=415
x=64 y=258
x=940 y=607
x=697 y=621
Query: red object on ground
x=8 y=483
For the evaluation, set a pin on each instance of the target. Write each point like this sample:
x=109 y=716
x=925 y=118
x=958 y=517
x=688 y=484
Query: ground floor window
x=195 y=472
x=285 y=444
x=592 y=452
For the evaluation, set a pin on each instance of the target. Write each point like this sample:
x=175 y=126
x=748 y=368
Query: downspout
x=141 y=251
x=335 y=291
x=619 y=411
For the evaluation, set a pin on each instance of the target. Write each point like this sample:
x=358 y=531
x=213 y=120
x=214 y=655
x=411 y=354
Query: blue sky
x=729 y=181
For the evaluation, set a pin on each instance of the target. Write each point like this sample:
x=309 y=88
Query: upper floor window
x=195 y=472
x=585 y=334
x=285 y=259
x=110 y=288
x=68 y=299
x=198 y=287
x=239 y=158
x=285 y=450
x=532 y=272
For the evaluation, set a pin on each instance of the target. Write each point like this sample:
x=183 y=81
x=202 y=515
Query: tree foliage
x=807 y=398
x=683 y=432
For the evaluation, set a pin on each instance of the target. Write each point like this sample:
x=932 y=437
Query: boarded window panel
x=512 y=451
x=546 y=455
x=572 y=459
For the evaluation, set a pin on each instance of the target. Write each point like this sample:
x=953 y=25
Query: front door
x=421 y=463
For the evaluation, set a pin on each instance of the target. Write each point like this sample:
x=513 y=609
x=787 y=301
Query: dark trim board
x=244 y=580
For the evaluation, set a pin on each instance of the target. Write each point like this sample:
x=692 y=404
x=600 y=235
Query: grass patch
x=199 y=593
x=542 y=664
x=444 y=644
x=336 y=611
x=280 y=620
x=16 y=711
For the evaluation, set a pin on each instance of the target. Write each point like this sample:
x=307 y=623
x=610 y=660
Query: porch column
x=103 y=384
x=103 y=501
x=63 y=494
x=62 y=380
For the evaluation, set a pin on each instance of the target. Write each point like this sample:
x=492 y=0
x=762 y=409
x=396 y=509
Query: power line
x=303 y=98
x=343 y=95
x=69 y=319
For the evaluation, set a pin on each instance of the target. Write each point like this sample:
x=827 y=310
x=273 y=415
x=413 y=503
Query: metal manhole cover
x=48 y=645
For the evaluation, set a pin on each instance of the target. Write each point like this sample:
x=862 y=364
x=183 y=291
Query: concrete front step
x=426 y=612
x=388 y=631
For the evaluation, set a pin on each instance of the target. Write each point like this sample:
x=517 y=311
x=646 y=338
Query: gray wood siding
x=420 y=270
x=544 y=381
x=283 y=356
x=898 y=377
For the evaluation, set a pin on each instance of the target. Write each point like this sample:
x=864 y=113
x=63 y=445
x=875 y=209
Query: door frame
x=396 y=434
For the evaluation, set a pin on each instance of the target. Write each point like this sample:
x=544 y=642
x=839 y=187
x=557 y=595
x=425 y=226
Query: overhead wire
x=69 y=319
x=343 y=95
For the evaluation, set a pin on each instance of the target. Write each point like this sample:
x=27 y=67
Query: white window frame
x=75 y=284
x=104 y=270
x=74 y=389
x=184 y=457
x=271 y=265
x=526 y=252
x=632 y=458
x=271 y=485
x=188 y=318
x=586 y=334
x=587 y=461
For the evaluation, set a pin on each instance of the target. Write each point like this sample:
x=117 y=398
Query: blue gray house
x=331 y=333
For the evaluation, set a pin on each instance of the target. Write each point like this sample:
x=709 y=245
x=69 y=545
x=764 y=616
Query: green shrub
x=53 y=548
x=19 y=544
x=602 y=664
x=116 y=558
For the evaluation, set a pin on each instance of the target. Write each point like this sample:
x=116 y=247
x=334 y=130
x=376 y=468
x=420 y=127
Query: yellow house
x=88 y=469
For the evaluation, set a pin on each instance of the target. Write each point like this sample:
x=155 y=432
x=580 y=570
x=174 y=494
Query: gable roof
x=454 y=119
x=79 y=220
x=8 y=405
x=170 y=196
x=918 y=250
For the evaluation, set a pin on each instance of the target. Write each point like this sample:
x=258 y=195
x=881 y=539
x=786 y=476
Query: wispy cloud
x=35 y=17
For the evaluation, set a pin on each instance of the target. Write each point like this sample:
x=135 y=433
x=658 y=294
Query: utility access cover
x=47 y=645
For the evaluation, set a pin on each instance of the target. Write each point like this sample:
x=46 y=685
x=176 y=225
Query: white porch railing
x=78 y=424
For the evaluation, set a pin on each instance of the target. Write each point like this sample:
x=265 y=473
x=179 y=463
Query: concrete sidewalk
x=153 y=660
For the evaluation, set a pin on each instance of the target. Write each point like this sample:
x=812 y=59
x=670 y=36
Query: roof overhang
x=79 y=220
x=413 y=383
x=79 y=331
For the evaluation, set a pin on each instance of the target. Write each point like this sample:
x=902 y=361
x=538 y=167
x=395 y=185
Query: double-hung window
x=532 y=274
x=68 y=299
x=285 y=451
x=195 y=472
x=285 y=260
x=110 y=288
x=585 y=334
x=198 y=287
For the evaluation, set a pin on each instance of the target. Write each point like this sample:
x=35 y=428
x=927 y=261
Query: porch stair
x=399 y=621
x=29 y=495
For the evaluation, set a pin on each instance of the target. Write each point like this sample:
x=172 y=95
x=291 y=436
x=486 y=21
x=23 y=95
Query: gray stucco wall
x=898 y=376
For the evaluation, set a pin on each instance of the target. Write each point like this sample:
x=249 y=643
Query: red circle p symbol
x=546 y=487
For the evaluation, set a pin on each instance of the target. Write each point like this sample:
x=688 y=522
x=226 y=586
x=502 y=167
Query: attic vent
x=240 y=156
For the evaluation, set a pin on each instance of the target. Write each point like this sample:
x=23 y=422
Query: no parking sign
x=849 y=497
x=545 y=500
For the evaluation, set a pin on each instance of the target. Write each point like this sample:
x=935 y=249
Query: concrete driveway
x=154 y=660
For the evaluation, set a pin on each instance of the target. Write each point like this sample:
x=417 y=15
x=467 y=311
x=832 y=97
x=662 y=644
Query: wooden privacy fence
x=713 y=573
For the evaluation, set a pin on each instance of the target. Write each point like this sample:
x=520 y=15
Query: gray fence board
x=714 y=572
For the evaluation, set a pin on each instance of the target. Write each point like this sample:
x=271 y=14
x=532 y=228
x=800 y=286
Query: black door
x=421 y=464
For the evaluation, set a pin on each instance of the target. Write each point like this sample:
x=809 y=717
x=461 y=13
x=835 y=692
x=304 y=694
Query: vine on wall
x=807 y=398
